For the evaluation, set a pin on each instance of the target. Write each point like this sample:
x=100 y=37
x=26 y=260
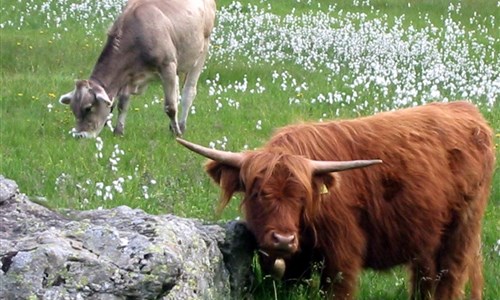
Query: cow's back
x=166 y=30
x=437 y=166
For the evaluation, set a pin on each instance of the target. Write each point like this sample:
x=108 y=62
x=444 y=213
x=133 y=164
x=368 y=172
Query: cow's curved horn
x=226 y=157
x=320 y=167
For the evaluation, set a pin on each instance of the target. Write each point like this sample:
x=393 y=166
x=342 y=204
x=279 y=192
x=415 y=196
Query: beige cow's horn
x=320 y=167
x=225 y=157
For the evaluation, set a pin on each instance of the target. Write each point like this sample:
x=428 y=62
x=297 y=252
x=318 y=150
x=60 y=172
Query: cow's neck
x=109 y=77
x=110 y=71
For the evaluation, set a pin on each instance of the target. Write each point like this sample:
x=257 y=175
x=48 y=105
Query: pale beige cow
x=169 y=38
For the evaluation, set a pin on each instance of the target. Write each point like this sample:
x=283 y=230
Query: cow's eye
x=254 y=196
x=265 y=197
x=87 y=109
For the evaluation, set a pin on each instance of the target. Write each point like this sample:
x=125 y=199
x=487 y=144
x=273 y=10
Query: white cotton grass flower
x=292 y=100
x=99 y=189
x=233 y=103
x=218 y=105
x=258 y=126
x=496 y=247
x=118 y=184
x=259 y=88
x=72 y=132
x=145 y=192
x=109 y=122
x=434 y=93
x=156 y=100
x=61 y=180
x=99 y=144
x=108 y=195
x=115 y=157
x=222 y=143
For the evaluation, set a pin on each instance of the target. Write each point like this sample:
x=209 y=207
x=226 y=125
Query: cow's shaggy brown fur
x=422 y=207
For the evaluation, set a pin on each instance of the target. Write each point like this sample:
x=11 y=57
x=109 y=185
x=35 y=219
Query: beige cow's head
x=91 y=106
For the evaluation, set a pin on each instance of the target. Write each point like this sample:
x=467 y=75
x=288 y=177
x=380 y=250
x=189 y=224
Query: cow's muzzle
x=283 y=242
x=84 y=134
x=280 y=244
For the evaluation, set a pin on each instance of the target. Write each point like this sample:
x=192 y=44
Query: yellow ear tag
x=324 y=190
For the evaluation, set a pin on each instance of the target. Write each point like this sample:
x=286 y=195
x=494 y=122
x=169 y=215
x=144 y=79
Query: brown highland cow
x=420 y=204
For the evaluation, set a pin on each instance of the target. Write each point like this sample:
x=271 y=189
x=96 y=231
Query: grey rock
x=8 y=189
x=118 y=253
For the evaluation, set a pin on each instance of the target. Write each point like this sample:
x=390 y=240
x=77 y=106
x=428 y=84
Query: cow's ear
x=100 y=93
x=102 y=96
x=228 y=178
x=66 y=98
x=325 y=182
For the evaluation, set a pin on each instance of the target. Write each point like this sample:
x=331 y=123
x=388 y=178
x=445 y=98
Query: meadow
x=271 y=63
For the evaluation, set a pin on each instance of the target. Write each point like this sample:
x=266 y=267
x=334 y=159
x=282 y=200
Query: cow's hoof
x=175 y=130
x=182 y=127
x=118 y=132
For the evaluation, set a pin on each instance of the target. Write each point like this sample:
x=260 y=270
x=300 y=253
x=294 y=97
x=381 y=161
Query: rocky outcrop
x=120 y=253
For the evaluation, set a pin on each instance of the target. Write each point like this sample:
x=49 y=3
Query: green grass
x=40 y=61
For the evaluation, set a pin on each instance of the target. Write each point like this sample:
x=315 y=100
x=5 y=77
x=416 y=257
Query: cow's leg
x=476 y=271
x=340 y=282
x=170 y=89
x=123 y=104
x=189 y=90
x=423 y=279
x=460 y=259
x=341 y=285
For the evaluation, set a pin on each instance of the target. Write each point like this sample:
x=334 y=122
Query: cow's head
x=281 y=191
x=91 y=106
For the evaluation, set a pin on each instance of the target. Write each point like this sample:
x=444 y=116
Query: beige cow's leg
x=123 y=104
x=169 y=79
x=189 y=89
